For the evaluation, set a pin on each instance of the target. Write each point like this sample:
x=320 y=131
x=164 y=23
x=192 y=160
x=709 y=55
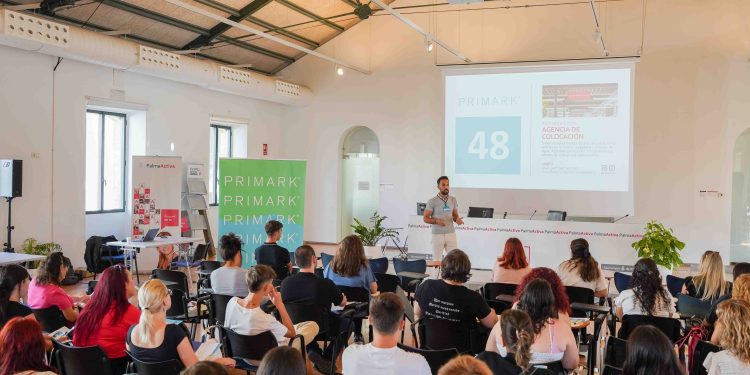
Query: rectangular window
x=106 y=150
x=221 y=147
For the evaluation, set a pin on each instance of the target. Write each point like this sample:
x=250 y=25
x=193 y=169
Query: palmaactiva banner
x=156 y=195
x=254 y=191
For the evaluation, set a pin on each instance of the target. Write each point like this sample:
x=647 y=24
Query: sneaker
x=320 y=364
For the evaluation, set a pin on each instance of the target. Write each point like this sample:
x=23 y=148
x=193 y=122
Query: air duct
x=42 y=35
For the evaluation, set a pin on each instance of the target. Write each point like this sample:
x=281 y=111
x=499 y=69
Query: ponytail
x=582 y=261
x=151 y=301
x=524 y=340
x=518 y=335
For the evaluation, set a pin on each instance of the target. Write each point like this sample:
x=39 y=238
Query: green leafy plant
x=32 y=246
x=370 y=236
x=659 y=244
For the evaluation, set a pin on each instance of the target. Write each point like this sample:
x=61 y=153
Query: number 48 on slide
x=488 y=145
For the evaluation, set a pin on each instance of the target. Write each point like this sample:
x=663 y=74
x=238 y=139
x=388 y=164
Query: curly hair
x=646 y=285
x=49 y=270
x=513 y=257
x=741 y=289
x=538 y=300
x=518 y=335
x=582 y=261
x=558 y=289
x=230 y=244
x=734 y=317
x=350 y=257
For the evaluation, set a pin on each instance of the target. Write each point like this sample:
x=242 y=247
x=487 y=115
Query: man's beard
x=445 y=192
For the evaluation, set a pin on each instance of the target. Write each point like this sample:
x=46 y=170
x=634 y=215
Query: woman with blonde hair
x=152 y=339
x=734 y=317
x=710 y=282
x=512 y=266
x=349 y=268
x=740 y=291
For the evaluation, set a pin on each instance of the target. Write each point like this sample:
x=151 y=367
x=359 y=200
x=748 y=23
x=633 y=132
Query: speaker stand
x=10 y=227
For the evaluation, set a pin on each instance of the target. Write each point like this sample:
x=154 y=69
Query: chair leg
x=135 y=261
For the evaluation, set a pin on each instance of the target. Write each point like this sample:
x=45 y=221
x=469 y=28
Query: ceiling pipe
x=99 y=49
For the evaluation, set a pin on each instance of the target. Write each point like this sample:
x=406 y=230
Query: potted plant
x=370 y=236
x=659 y=244
x=32 y=246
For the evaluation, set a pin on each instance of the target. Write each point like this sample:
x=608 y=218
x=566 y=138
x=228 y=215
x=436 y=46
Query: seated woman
x=649 y=351
x=734 y=317
x=282 y=361
x=553 y=338
x=152 y=339
x=349 y=267
x=229 y=279
x=107 y=317
x=14 y=285
x=740 y=291
x=646 y=296
x=582 y=270
x=517 y=336
x=710 y=282
x=23 y=348
x=562 y=305
x=464 y=365
x=512 y=266
x=45 y=290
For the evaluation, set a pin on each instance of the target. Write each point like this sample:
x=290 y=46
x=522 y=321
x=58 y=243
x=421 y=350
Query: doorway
x=360 y=177
x=739 y=250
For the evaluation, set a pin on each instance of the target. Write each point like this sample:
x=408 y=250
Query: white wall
x=691 y=95
x=52 y=206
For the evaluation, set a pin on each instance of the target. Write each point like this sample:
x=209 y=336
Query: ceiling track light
x=428 y=45
x=339 y=70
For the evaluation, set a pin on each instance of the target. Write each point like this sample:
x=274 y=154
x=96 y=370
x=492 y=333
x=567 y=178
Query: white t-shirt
x=253 y=321
x=725 y=363
x=369 y=360
x=630 y=305
x=573 y=278
x=229 y=281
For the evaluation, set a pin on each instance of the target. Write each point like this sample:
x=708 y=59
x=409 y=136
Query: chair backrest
x=622 y=281
x=218 y=306
x=173 y=276
x=325 y=259
x=405 y=265
x=309 y=312
x=435 y=358
x=91 y=286
x=702 y=348
x=693 y=307
x=674 y=285
x=179 y=306
x=614 y=353
x=379 y=265
x=210 y=265
x=669 y=326
x=201 y=250
x=50 y=318
x=83 y=360
x=438 y=334
x=492 y=290
x=248 y=347
x=593 y=350
x=355 y=294
x=171 y=367
x=609 y=370
x=580 y=295
x=387 y=282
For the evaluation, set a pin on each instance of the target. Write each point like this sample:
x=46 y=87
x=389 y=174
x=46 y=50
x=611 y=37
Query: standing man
x=442 y=212
x=273 y=255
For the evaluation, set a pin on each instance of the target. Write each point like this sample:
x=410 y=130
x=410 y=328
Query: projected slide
x=561 y=130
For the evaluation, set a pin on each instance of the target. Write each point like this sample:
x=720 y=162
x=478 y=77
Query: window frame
x=214 y=174
x=124 y=116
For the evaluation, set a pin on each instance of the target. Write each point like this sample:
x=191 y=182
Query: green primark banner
x=254 y=191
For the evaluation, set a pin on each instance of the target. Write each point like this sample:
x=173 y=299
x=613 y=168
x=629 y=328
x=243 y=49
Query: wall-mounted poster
x=157 y=182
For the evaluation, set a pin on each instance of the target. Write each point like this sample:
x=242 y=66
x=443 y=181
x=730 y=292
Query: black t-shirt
x=305 y=287
x=274 y=256
x=712 y=318
x=167 y=351
x=14 y=309
x=693 y=291
x=455 y=303
x=507 y=365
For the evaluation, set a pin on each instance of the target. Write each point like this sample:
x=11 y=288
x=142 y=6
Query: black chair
x=204 y=273
x=622 y=281
x=84 y=360
x=325 y=259
x=51 y=318
x=438 y=334
x=693 y=307
x=614 y=353
x=379 y=265
x=674 y=285
x=171 y=367
x=593 y=348
x=251 y=347
x=217 y=306
x=580 y=295
x=492 y=290
x=329 y=325
x=355 y=294
x=555 y=367
x=609 y=370
x=408 y=284
x=435 y=358
x=181 y=311
x=91 y=286
x=194 y=260
x=702 y=348
x=669 y=326
x=387 y=282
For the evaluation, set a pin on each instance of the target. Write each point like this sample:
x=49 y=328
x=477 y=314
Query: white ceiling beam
x=260 y=33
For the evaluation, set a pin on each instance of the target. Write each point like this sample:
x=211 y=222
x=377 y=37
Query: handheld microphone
x=505 y=214
x=532 y=215
x=626 y=215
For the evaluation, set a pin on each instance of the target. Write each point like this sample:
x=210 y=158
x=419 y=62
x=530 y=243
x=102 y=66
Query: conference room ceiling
x=307 y=23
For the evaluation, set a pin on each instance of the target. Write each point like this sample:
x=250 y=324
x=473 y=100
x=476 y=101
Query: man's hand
x=440 y=222
x=343 y=300
x=460 y=221
x=276 y=298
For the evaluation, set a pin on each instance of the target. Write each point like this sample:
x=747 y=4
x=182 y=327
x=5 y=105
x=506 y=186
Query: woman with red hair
x=106 y=318
x=512 y=266
x=22 y=348
x=558 y=289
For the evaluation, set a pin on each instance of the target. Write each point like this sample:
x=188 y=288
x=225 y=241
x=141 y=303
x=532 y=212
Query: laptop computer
x=150 y=235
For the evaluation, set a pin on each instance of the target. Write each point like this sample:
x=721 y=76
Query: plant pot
x=373 y=252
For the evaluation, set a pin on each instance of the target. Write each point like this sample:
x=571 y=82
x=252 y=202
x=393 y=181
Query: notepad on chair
x=208 y=350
